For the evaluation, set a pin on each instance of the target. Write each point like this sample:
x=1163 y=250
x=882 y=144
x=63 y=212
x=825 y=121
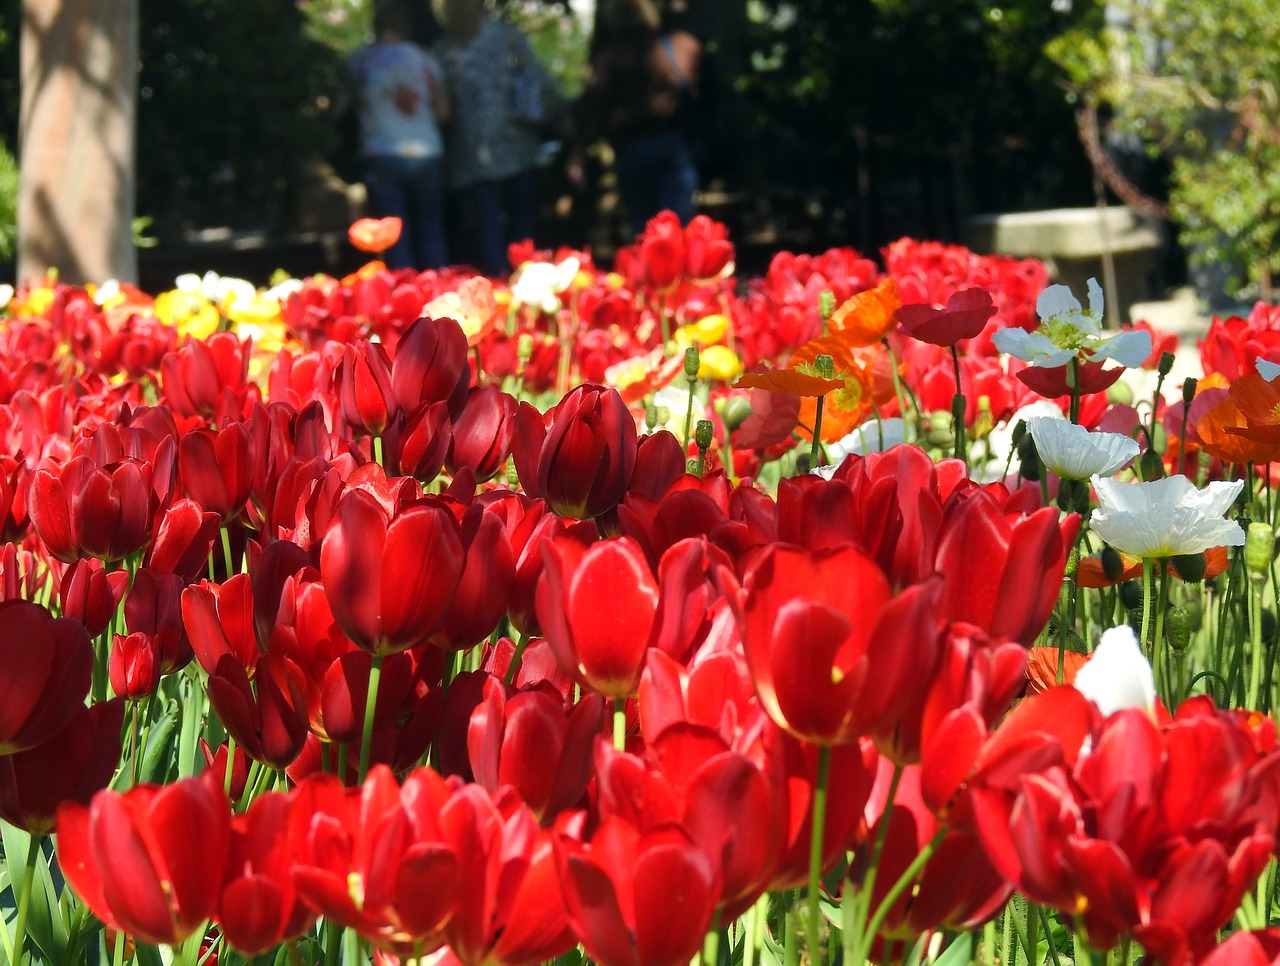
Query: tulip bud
x=134 y=666
x=1189 y=390
x=735 y=411
x=691 y=363
x=1112 y=565
x=1189 y=566
x=1177 y=628
x=1259 y=548
x=1165 y=365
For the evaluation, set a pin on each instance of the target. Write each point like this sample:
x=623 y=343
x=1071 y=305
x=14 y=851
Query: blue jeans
x=503 y=212
x=654 y=174
x=411 y=189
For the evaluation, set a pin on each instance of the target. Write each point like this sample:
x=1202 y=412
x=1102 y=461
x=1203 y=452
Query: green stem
x=332 y=943
x=958 y=409
x=24 y=898
x=620 y=724
x=230 y=770
x=1148 y=565
x=1157 y=644
x=688 y=415
x=1048 y=932
x=514 y=667
x=1256 y=590
x=370 y=704
x=857 y=942
x=815 y=447
x=815 y=850
x=905 y=880
x=226 y=550
x=377 y=450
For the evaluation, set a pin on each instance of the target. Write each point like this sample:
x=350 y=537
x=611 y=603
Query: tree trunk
x=76 y=140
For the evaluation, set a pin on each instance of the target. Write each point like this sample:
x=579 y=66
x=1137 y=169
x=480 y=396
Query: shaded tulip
x=133 y=859
x=215 y=469
x=91 y=595
x=579 y=457
x=483 y=431
x=661 y=250
x=390 y=578
x=422 y=443
x=430 y=365
x=484 y=588
x=153 y=607
x=133 y=666
x=48 y=667
x=184 y=537
x=216 y=763
x=73 y=764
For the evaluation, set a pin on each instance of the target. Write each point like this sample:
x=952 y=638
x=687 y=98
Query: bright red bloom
x=134 y=861
x=390 y=578
x=258 y=905
x=363 y=387
x=597 y=606
x=638 y=898
x=964 y=317
x=91 y=595
x=48 y=666
x=834 y=655
x=483 y=432
x=579 y=457
x=133 y=666
x=430 y=365
x=1257 y=948
x=376 y=859
x=484 y=588
x=661 y=251
x=708 y=251
x=206 y=375
x=216 y=469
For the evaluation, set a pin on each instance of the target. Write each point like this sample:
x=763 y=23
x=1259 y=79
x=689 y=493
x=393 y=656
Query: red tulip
x=484 y=588
x=638 y=898
x=133 y=666
x=81 y=509
x=75 y=762
x=510 y=908
x=205 y=375
x=833 y=654
x=708 y=251
x=91 y=595
x=483 y=431
x=375 y=858
x=661 y=251
x=598 y=606
x=258 y=905
x=363 y=387
x=215 y=469
x=420 y=446
x=531 y=741
x=134 y=861
x=430 y=365
x=579 y=457
x=216 y=764
x=1256 y=948
x=48 y=666
x=390 y=578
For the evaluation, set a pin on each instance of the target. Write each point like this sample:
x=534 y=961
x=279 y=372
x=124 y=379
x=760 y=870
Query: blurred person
x=402 y=100
x=494 y=141
x=641 y=94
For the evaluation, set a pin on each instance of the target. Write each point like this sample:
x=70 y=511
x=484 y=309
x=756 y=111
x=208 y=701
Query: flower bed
x=638 y=615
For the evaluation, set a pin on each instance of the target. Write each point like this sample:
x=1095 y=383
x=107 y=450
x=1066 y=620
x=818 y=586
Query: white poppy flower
x=1165 y=518
x=540 y=283
x=6 y=296
x=1117 y=675
x=1068 y=330
x=675 y=401
x=1074 y=453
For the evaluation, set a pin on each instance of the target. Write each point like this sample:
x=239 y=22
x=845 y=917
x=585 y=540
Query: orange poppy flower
x=1259 y=403
x=867 y=317
x=1090 y=573
x=1042 y=668
x=374 y=235
x=1218 y=436
x=865 y=378
x=797 y=382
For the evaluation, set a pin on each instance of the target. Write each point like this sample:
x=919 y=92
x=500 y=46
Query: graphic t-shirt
x=396 y=116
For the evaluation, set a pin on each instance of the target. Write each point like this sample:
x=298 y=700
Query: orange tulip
x=374 y=235
x=866 y=318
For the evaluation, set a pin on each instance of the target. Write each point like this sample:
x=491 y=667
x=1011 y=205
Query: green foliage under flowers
x=1198 y=83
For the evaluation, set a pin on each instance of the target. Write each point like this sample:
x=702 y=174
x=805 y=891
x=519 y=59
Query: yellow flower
x=718 y=362
x=706 y=331
x=189 y=312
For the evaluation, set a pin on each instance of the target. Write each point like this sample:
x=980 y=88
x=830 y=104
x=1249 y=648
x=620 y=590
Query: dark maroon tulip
x=73 y=763
x=215 y=469
x=184 y=537
x=482 y=432
x=91 y=595
x=422 y=443
x=153 y=607
x=660 y=461
x=363 y=385
x=81 y=509
x=431 y=365
x=13 y=499
x=580 y=456
x=133 y=666
x=48 y=666
x=390 y=578
x=23 y=574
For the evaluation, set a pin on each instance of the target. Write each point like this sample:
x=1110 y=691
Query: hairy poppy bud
x=1259 y=548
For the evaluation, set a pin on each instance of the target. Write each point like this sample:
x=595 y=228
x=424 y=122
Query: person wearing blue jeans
x=402 y=97
x=656 y=174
